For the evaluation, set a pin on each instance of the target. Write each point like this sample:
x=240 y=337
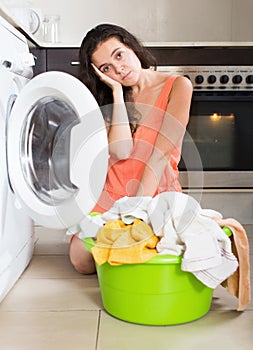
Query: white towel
x=214 y=276
x=170 y=243
x=206 y=249
x=87 y=227
x=128 y=209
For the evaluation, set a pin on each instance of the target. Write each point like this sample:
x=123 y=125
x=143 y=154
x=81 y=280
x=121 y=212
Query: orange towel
x=118 y=243
x=239 y=283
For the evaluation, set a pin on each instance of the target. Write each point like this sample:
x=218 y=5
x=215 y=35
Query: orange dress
x=123 y=176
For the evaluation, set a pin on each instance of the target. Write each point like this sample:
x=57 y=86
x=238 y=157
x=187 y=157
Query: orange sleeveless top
x=124 y=175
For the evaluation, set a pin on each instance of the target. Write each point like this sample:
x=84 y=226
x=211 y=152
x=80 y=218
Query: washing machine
x=53 y=153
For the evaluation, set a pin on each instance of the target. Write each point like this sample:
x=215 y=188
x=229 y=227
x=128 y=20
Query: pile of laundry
x=136 y=229
x=119 y=243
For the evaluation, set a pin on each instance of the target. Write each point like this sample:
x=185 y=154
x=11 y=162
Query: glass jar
x=50 y=27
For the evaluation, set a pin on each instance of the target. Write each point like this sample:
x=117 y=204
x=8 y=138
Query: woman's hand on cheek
x=113 y=84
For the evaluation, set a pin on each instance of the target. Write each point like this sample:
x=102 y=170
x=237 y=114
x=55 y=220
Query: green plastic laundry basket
x=157 y=292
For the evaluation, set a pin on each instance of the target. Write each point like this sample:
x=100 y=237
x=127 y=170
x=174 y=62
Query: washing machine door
x=5 y=88
x=57 y=150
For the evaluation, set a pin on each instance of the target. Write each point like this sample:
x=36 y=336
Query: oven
x=217 y=152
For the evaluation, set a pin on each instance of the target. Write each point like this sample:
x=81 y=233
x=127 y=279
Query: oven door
x=57 y=151
x=217 y=146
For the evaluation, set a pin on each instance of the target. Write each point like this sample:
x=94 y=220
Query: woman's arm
x=119 y=132
x=172 y=131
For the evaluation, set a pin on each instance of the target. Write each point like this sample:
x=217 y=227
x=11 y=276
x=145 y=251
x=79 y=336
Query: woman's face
x=117 y=61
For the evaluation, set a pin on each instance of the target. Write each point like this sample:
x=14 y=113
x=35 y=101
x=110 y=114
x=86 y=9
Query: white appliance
x=53 y=153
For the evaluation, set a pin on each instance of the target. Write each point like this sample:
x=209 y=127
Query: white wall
x=242 y=24
x=155 y=20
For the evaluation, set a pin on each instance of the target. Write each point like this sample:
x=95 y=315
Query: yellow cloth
x=118 y=243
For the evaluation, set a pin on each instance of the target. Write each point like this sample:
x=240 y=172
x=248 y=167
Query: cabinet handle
x=75 y=63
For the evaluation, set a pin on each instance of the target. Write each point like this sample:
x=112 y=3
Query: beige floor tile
x=53 y=307
x=50 y=242
x=51 y=266
x=53 y=295
x=222 y=300
x=217 y=330
x=48 y=330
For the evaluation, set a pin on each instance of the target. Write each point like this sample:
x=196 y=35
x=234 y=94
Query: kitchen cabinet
x=63 y=59
x=56 y=59
x=40 y=60
x=67 y=59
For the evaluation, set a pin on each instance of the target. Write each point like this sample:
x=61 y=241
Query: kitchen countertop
x=35 y=41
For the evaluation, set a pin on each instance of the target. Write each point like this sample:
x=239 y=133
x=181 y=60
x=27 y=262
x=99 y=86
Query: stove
x=215 y=77
x=217 y=152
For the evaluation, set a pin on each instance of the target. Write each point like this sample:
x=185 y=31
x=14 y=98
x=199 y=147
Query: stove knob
x=237 y=79
x=211 y=79
x=224 y=79
x=187 y=76
x=199 y=79
x=249 y=79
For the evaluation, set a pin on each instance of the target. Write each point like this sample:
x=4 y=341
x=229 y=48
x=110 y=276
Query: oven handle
x=217 y=190
x=223 y=96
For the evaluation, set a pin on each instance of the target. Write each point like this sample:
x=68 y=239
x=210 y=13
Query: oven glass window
x=222 y=131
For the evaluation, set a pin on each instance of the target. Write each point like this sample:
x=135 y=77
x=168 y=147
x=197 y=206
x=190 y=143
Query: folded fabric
x=238 y=284
x=118 y=243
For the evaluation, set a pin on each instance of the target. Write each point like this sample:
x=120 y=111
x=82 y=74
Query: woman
x=146 y=114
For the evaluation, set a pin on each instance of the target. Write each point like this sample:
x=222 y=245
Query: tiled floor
x=54 y=307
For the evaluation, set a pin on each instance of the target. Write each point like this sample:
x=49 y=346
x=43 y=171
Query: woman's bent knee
x=80 y=258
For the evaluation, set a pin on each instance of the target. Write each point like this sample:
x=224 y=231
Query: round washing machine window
x=57 y=149
x=46 y=133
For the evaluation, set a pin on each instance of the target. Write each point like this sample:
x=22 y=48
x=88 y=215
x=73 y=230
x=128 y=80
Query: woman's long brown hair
x=102 y=92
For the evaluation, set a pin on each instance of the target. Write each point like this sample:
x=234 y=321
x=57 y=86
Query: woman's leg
x=80 y=257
